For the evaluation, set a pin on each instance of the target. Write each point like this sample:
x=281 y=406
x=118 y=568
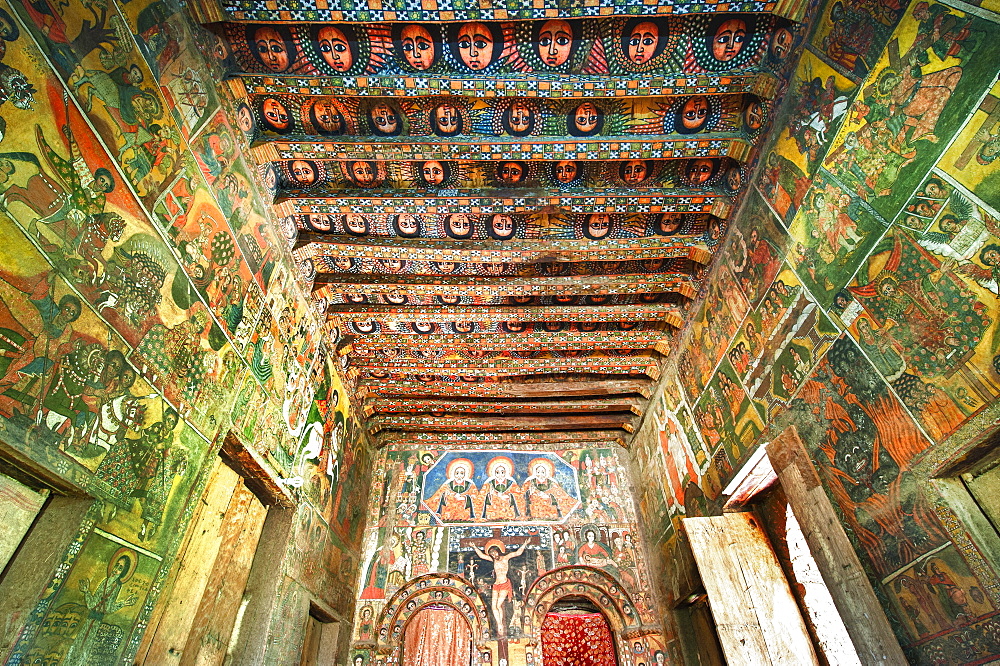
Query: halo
x=470 y=468
x=492 y=464
x=495 y=542
x=549 y=465
x=133 y=559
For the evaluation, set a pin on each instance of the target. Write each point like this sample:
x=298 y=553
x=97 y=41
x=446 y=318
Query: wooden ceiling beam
x=367 y=345
x=672 y=314
x=507 y=389
x=489 y=149
x=514 y=251
x=465 y=406
x=563 y=285
x=504 y=364
x=548 y=440
x=380 y=422
x=671 y=84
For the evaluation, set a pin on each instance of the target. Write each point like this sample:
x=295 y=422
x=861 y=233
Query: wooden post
x=756 y=615
x=849 y=586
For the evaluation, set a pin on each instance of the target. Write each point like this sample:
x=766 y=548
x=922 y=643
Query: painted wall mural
x=148 y=307
x=498 y=521
x=855 y=299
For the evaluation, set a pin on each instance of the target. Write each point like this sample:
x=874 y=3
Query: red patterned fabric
x=577 y=639
x=437 y=636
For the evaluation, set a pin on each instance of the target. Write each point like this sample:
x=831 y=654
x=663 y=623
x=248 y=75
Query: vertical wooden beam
x=756 y=615
x=849 y=586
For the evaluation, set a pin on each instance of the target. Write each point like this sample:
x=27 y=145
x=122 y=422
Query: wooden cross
x=991 y=107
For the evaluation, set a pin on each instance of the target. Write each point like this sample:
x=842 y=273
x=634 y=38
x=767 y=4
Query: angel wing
x=984 y=277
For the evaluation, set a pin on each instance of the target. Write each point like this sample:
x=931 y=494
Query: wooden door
x=756 y=616
x=194 y=620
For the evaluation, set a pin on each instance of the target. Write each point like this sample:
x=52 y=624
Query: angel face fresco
x=555 y=42
x=642 y=42
x=728 y=39
x=446 y=120
x=334 y=44
x=272 y=46
x=476 y=44
x=417 y=46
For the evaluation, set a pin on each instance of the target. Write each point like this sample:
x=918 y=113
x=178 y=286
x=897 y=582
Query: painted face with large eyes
x=634 y=172
x=475 y=45
x=363 y=173
x=699 y=172
x=520 y=118
x=271 y=48
x=566 y=171
x=555 y=40
x=729 y=39
x=586 y=118
x=446 y=119
x=384 y=119
x=407 y=225
x=320 y=222
x=459 y=225
x=510 y=173
x=334 y=48
x=781 y=43
x=328 y=117
x=432 y=172
x=418 y=47
x=642 y=42
x=303 y=172
x=244 y=118
x=669 y=223
x=694 y=113
x=753 y=115
x=275 y=114
x=598 y=225
x=502 y=226
x=356 y=224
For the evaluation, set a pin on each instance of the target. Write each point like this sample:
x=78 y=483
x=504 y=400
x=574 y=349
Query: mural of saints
x=544 y=498
x=454 y=500
x=501 y=496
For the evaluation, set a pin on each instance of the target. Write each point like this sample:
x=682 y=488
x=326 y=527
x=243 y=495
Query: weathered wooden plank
x=499 y=439
x=849 y=586
x=221 y=602
x=756 y=615
x=192 y=570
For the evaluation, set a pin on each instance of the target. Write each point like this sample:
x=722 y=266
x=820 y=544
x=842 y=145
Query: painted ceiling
x=505 y=211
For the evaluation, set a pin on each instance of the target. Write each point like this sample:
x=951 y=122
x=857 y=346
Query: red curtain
x=437 y=636
x=577 y=639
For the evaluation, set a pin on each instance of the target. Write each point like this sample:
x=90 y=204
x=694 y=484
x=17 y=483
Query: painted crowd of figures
x=587 y=46
x=540 y=497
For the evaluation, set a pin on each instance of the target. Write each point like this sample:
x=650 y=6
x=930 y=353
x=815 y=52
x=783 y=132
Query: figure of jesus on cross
x=502 y=588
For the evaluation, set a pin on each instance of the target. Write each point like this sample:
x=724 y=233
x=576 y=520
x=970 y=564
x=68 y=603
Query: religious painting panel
x=756 y=247
x=914 y=100
x=476 y=486
x=501 y=563
x=922 y=314
x=970 y=159
x=726 y=415
x=90 y=613
x=942 y=605
x=864 y=446
x=850 y=36
x=831 y=234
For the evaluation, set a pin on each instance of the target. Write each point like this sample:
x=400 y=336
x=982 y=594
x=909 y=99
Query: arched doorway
x=437 y=635
x=576 y=633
